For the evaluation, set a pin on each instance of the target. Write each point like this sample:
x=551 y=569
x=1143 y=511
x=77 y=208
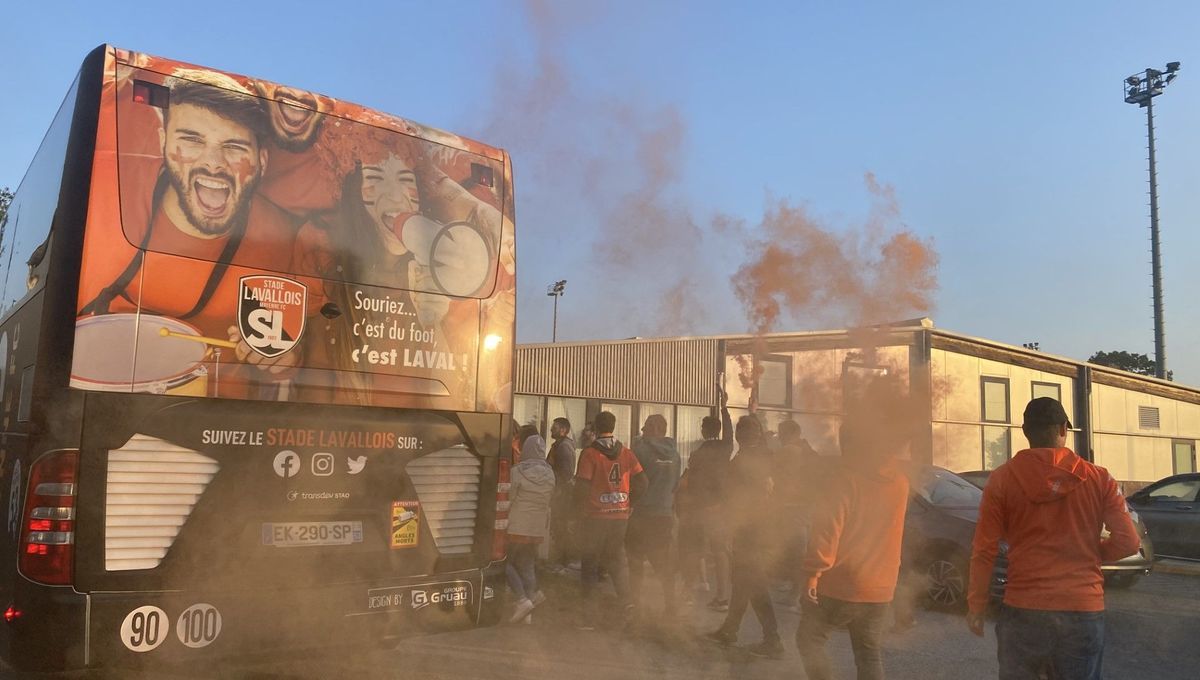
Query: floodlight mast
x=556 y=290
x=1141 y=89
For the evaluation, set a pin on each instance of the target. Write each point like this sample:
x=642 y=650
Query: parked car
x=1171 y=510
x=940 y=525
x=977 y=477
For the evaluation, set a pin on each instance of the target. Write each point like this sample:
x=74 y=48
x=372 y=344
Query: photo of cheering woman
x=376 y=243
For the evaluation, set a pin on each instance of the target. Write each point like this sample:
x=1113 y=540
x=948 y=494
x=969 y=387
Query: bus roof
x=310 y=100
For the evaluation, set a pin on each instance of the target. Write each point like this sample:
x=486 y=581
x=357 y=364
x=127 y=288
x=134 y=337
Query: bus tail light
x=48 y=523
x=500 y=534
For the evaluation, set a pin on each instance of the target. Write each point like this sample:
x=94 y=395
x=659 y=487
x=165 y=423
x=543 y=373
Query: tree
x=1127 y=361
x=6 y=197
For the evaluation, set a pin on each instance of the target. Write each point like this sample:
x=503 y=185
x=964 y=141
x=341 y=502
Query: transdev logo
x=271 y=311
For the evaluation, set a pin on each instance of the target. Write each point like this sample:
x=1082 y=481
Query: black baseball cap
x=1045 y=411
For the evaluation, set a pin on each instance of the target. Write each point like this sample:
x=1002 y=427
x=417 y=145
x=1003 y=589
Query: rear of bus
x=284 y=414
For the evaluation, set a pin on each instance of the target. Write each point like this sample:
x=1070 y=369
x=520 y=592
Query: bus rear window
x=271 y=178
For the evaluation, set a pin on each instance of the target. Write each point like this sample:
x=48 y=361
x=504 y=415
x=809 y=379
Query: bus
x=257 y=354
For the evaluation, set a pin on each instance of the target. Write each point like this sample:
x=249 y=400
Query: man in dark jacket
x=652 y=524
x=795 y=488
x=608 y=480
x=747 y=502
x=562 y=459
x=706 y=472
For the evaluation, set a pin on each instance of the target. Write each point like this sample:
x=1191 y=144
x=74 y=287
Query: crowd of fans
x=753 y=509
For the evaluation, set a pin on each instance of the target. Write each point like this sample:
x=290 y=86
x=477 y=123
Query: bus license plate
x=301 y=534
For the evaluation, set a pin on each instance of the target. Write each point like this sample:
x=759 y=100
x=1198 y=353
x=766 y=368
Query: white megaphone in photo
x=457 y=254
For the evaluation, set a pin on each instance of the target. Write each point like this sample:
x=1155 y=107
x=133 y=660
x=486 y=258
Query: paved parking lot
x=1152 y=634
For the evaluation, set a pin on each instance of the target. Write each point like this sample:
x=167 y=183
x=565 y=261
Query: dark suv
x=1171 y=510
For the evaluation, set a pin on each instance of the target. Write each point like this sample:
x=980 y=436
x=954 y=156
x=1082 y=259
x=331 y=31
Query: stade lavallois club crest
x=271 y=313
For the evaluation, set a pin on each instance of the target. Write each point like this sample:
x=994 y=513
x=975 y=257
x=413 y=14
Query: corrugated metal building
x=1140 y=428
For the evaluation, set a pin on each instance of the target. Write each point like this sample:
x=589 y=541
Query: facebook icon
x=287 y=464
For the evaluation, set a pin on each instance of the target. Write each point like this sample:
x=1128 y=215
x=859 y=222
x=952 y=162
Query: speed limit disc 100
x=198 y=625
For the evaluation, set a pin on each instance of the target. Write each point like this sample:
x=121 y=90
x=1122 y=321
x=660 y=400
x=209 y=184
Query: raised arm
x=726 y=421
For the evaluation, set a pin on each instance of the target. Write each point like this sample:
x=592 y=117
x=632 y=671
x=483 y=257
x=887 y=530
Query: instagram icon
x=322 y=464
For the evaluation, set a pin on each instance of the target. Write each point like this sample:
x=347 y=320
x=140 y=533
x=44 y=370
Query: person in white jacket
x=532 y=485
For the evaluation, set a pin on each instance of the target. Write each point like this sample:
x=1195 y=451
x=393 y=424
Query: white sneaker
x=538 y=598
x=524 y=606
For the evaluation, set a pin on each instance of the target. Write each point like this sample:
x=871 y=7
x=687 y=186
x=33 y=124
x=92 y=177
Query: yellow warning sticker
x=406 y=523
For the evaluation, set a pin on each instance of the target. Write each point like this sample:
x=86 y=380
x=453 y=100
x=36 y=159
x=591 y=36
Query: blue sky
x=1001 y=129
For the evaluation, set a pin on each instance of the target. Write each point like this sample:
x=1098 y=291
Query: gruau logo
x=271 y=313
x=451 y=596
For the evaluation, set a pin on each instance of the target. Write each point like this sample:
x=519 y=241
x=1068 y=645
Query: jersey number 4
x=614 y=475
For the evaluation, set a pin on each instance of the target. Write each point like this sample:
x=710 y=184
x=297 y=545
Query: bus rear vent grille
x=152 y=487
x=447 y=483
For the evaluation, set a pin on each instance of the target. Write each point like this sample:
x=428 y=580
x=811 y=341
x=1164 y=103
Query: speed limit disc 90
x=144 y=628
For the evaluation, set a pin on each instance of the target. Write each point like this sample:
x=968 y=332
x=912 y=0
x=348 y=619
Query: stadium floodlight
x=1141 y=89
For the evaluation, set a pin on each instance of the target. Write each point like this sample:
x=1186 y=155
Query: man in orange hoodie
x=853 y=557
x=1050 y=506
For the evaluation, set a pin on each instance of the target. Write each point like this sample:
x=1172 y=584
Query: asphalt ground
x=1177 y=566
x=1151 y=631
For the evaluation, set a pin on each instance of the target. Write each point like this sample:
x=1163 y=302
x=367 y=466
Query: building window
x=665 y=410
x=775 y=382
x=528 y=410
x=1185 y=456
x=1045 y=389
x=997 y=446
x=1148 y=417
x=574 y=410
x=687 y=430
x=624 y=414
x=995 y=400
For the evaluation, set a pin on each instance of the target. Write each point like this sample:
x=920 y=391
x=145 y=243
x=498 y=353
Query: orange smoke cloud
x=799 y=269
x=609 y=165
x=796 y=267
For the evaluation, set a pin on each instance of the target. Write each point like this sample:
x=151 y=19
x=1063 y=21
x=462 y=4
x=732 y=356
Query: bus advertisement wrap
x=248 y=240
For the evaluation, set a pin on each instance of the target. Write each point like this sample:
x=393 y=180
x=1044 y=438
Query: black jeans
x=651 y=539
x=1029 y=640
x=562 y=543
x=602 y=543
x=865 y=620
x=750 y=586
